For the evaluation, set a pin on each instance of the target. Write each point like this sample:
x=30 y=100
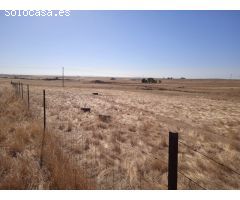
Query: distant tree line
x=150 y=80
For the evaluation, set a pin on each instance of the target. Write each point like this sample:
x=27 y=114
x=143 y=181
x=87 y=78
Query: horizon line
x=139 y=77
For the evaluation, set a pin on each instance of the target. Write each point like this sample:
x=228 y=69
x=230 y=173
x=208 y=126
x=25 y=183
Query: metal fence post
x=44 y=128
x=18 y=88
x=15 y=89
x=44 y=110
x=172 y=161
x=28 y=96
x=22 y=89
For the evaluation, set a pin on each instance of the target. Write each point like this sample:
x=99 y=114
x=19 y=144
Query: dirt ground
x=122 y=143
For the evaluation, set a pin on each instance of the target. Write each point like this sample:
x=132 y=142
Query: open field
x=128 y=149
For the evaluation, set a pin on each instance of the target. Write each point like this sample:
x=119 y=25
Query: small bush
x=149 y=80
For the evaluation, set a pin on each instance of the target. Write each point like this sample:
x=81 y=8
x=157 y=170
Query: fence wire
x=180 y=172
x=209 y=158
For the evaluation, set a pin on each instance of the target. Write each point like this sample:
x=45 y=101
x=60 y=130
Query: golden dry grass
x=19 y=145
x=20 y=150
x=129 y=149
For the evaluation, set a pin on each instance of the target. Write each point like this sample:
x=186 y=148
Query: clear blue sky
x=193 y=44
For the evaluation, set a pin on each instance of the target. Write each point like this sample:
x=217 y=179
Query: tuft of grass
x=64 y=172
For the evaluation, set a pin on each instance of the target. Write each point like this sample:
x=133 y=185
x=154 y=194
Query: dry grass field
x=122 y=143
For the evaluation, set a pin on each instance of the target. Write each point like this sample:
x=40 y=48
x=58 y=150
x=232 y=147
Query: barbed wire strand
x=180 y=172
x=209 y=158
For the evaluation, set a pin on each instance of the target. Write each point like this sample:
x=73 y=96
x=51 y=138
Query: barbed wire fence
x=89 y=169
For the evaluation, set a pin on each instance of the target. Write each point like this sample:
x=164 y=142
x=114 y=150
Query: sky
x=191 y=44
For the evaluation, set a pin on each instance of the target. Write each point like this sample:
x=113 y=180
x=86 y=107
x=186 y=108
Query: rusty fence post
x=22 y=89
x=44 y=111
x=44 y=128
x=18 y=88
x=172 y=161
x=28 y=100
x=15 y=84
